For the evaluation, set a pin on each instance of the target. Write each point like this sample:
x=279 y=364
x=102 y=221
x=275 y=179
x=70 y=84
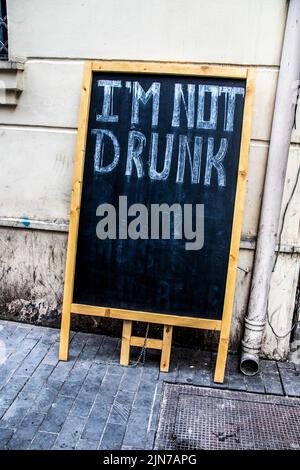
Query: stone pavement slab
x=90 y=401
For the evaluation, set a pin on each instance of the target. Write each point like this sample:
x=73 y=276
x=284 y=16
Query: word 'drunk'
x=186 y=156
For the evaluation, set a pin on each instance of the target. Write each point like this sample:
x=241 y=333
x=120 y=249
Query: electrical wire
x=276 y=259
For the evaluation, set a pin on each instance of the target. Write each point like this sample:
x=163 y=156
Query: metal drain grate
x=194 y=418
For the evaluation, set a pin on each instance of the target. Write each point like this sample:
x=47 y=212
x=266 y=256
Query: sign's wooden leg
x=125 y=346
x=65 y=334
x=166 y=348
x=221 y=358
x=164 y=345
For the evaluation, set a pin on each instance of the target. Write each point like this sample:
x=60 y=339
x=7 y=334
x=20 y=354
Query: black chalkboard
x=134 y=112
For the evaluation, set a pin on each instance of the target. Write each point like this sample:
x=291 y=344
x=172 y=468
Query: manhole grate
x=203 y=418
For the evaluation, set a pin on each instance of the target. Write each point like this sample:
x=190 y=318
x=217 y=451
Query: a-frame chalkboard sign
x=170 y=141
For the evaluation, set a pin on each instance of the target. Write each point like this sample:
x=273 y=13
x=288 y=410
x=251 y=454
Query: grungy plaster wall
x=38 y=136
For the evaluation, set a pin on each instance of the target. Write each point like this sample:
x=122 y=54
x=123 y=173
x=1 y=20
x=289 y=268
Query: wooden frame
x=163 y=68
x=162 y=344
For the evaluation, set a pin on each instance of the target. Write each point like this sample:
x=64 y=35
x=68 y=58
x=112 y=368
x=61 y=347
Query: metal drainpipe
x=282 y=124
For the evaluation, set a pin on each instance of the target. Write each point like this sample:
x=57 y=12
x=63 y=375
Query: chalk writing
x=195 y=108
x=159 y=188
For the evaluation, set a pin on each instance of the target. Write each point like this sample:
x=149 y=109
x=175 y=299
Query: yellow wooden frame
x=164 y=345
x=162 y=68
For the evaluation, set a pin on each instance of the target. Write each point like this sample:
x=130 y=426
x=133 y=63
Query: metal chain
x=142 y=355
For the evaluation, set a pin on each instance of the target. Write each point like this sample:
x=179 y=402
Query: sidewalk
x=91 y=402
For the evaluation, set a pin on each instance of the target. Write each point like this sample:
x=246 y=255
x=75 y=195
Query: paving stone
x=116 y=369
x=16 y=412
x=18 y=444
x=30 y=424
x=85 y=399
x=26 y=431
x=84 y=444
x=101 y=408
x=144 y=400
x=255 y=383
x=109 y=387
x=147 y=387
x=11 y=390
x=63 y=368
x=76 y=346
x=43 y=441
x=188 y=364
x=82 y=362
x=5 y=435
x=51 y=357
x=23 y=350
x=33 y=359
x=290 y=378
x=96 y=420
x=151 y=371
x=81 y=336
x=44 y=400
x=202 y=378
x=10 y=327
x=203 y=370
x=271 y=377
x=91 y=401
x=74 y=382
x=136 y=430
x=89 y=390
x=91 y=348
x=186 y=373
x=97 y=372
x=131 y=379
x=213 y=384
x=4 y=335
x=236 y=381
x=57 y=414
x=54 y=384
x=61 y=372
x=150 y=438
x=172 y=374
x=112 y=437
x=121 y=407
x=6 y=371
x=36 y=333
x=38 y=378
x=13 y=341
x=234 y=376
x=47 y=335
x=70 y=433
x=285 y=365
x=92 y=384
x=94 y=426
x=108 y=351
x=154 y=415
